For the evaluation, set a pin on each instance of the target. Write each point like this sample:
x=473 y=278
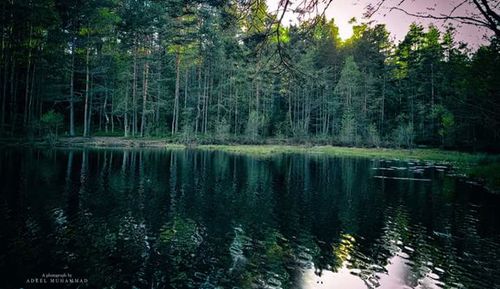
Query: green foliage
x=52 y=118
x=253 y=126
x=446 y=123
x=349 y=86
x=404 y=135
x=187 y=134
x=222 y=130
x=51 y=121
x=373 y=137
x=204 y=70
x=349 y=131
x=488 y=173
x=283 y=35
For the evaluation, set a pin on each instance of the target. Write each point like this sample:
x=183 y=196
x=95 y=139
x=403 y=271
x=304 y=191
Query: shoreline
x=479 y=166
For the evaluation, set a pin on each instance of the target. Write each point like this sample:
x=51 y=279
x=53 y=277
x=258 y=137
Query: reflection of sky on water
x=340 y=279
x=397 y=276
x=398 y=273
x=343 y=277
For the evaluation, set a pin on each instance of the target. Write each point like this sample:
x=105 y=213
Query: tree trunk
x=257 y=97
x=27 y=84
x=186 y=88
x=86 y=107
x=198 y=108
x=433 y=124
x=3 y=62
x=175 y=117
x=382 y=108
x=91 y=100
x=134 y=95
x=31 y=95
x=125 y=116
x=105 y=105
x=72 y=92
x=112 y=112
x=13 y=92
x=158 y=97
x=4 y=92
x=144 y=97
x=205 y=103
x=219 y=96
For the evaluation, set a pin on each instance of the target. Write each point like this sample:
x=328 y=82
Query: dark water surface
x=193 y=219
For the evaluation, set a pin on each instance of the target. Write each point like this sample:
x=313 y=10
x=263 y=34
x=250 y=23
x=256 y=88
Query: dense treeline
x=210 y=71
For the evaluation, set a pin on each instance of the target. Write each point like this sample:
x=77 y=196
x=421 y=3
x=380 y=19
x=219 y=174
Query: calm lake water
x=194 y=219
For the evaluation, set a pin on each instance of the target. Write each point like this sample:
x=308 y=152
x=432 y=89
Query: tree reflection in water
x=192 y=219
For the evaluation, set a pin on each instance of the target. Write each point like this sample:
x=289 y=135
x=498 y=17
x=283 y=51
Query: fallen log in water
x=403 y=179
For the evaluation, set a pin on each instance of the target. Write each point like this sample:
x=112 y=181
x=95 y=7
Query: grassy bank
x=414 y=154
x=482 y=167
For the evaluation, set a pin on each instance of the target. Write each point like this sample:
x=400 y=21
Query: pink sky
x=396 y=21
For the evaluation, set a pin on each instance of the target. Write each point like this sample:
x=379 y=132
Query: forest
x=225 y=71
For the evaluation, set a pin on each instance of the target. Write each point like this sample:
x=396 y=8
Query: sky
x=397 y=22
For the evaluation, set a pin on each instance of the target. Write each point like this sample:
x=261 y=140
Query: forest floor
x=484 y=168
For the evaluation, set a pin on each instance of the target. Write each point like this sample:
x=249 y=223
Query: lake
x=158 y=218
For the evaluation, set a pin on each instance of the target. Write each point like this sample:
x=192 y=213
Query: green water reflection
x=192 y=219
